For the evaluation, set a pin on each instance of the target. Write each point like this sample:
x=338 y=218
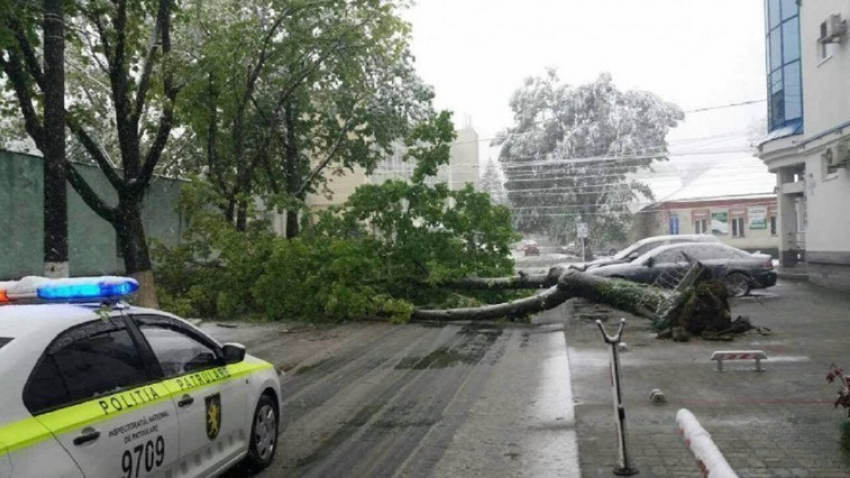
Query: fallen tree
x=698 y=305
x=564 y=284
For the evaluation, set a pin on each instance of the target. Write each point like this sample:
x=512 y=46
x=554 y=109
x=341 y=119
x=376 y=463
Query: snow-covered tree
x=492 y=183
x=573 y=152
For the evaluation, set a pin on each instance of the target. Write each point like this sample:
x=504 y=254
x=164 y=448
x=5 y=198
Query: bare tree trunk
x=522 y=281
x=293 y=179
x=292 y=226
x=623 y=295
x=55 y=197
x=134 y=248
x=550 y=299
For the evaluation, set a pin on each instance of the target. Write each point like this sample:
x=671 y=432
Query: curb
x=793 y=276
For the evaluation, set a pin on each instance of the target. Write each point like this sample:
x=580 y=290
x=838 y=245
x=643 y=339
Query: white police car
x=93 y=387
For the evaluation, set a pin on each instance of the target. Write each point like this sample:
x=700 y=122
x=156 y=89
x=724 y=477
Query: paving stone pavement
x=778 y=423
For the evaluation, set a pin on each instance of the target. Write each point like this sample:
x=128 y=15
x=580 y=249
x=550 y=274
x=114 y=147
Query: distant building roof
x=710 y=168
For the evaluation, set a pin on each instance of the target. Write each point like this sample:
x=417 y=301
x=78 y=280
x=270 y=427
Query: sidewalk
x=773 y=424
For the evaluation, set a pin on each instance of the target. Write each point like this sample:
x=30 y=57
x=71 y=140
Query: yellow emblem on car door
x=213 y=415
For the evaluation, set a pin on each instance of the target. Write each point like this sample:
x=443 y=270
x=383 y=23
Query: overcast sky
x=695 y=53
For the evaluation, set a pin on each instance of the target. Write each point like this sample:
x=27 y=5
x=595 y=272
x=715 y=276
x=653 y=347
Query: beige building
x=746 y=222
x=462 y=169
x=808 y=146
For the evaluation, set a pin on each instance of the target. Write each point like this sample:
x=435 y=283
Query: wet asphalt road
x=460 y=400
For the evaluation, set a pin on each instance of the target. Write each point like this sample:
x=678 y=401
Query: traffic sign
x=581 y=230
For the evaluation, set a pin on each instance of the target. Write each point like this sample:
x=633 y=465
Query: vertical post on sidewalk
x=624 y=467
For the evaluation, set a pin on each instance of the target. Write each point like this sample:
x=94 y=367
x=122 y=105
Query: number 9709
x=146 y=455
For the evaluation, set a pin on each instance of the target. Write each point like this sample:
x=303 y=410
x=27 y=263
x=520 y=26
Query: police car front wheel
x=263 y=434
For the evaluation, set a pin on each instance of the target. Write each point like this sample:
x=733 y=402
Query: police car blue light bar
x=80 y=289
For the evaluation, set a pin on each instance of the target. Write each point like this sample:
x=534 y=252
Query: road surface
x=459 y=400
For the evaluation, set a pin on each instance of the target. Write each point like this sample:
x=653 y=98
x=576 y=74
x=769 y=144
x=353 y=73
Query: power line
x=589 y=159
x=624 y=176
x=604 y=204
x=694 y=110
x=619 y=168
x=730 y=105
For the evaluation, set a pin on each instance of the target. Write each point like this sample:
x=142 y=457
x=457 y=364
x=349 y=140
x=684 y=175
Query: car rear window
x=4 y=341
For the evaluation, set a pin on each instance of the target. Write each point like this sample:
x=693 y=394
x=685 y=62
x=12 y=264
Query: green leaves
x=387 y=249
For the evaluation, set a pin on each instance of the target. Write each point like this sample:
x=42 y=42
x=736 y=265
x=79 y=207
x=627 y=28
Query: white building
x=464 y=162
x=808 y=58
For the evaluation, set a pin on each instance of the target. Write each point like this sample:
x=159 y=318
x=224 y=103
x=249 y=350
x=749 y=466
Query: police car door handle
x=185 y=401
x=87 y=435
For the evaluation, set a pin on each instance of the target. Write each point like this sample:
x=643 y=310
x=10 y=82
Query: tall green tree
x=320 y=88
x=573 y=153
x=122 y=102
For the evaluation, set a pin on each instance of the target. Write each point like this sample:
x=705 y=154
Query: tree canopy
x=573 y=153
x=385 y=252
x=317 y=89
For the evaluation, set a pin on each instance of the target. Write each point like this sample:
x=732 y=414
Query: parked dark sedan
x=643 y=246
x=739 y=270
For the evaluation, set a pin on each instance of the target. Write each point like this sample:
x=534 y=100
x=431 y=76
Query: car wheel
x=263 y=434
x=737 y=284
x=611 y=252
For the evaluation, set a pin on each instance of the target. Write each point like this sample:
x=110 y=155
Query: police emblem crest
x=213 y=415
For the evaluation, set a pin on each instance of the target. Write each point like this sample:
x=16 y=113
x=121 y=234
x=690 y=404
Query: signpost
x=581 y=233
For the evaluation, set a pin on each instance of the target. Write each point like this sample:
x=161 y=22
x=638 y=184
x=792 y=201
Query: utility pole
x=55 y=197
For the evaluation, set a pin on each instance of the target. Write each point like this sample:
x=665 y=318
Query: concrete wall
x=91 y=240
x=826 y=102
x=826 y=94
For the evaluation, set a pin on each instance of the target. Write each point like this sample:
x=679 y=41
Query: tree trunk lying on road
x=521 y=281
x=529 y=305
x=697 y=304
x=569 y=283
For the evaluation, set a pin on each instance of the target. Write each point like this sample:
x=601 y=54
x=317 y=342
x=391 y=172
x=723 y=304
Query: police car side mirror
x=233 y=353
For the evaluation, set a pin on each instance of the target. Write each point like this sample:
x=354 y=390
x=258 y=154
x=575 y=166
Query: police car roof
x=21 y=320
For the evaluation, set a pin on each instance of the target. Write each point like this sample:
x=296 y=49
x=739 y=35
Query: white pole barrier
x=708 y=456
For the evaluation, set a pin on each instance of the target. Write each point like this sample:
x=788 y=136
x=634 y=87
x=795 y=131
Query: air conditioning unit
x=833 y=29
x=837 y=156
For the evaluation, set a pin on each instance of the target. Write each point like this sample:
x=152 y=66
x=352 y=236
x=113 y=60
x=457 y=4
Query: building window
x=674 y=224
x=701 y=226
x=772 y=225
x=738 y=227
x=784 y=82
